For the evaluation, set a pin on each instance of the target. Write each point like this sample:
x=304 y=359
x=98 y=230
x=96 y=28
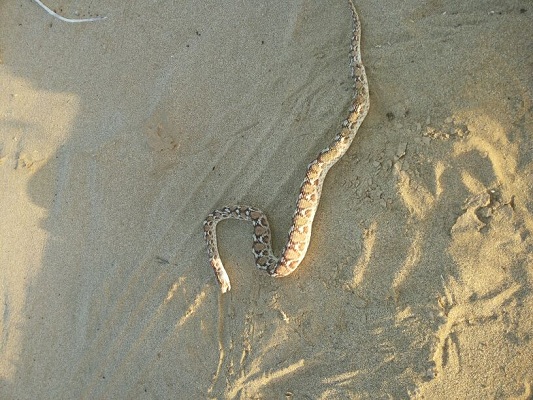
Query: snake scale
x=310 y=191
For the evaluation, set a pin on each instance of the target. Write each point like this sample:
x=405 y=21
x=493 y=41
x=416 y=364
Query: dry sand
x=118 y=137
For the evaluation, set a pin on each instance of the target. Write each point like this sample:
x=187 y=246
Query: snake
x=310 y=191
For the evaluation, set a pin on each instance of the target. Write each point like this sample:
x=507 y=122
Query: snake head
x=221 y=274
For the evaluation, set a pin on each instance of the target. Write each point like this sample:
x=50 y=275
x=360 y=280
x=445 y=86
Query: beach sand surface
x=118 y=137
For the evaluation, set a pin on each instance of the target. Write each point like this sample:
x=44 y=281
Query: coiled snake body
x=310 y=191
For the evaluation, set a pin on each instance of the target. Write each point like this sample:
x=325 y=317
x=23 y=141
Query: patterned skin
x=309 y=197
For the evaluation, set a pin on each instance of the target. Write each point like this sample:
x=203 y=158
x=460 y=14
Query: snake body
x=310 y=191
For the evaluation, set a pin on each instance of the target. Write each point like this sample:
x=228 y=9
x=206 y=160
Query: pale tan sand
x=118 y=137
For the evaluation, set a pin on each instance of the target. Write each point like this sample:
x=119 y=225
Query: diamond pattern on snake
x=309 y=197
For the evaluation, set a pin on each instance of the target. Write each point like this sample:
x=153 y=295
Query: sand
x=119 y=136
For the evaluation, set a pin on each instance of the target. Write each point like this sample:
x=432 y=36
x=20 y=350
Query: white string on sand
x=54 y=14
